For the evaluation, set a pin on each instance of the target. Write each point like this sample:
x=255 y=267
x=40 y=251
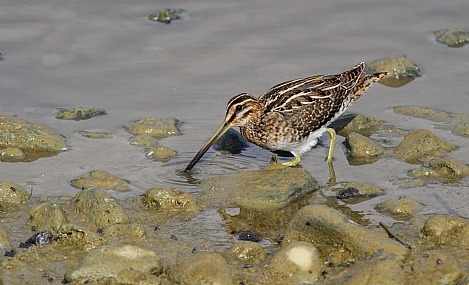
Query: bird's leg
x=295 y=161
x=332 y=134
x=332 y=179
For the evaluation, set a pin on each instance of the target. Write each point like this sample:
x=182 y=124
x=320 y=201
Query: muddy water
x=108 y=55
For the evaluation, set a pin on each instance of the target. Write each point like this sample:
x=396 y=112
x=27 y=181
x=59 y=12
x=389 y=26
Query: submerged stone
x=338 y=237
x=166 y=15
x=361 y=146
x=231 y=141
x=420 y=144
x=453 y=37
x=108 y=262
x=33 y=139
x=100 y=208
x=154 y=127
x=246 y=252
x=400 y=209
x=95 y=135
x=143 y=140
x=78 y=113
x=438 y=267
x=298 y=260
x=13 y=194
x=272 y=187
x=128 y=232
x=170 y=199
x=357 y=189
x=11 y=153
x=100 y=179
x=459 y=123
x=160 y=153
x=201 y=268
x=400 y=70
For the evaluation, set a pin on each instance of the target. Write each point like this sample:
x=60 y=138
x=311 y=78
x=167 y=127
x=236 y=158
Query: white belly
x=303 y=146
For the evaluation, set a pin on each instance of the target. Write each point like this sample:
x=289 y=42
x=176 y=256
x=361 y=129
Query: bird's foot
x=295 y=161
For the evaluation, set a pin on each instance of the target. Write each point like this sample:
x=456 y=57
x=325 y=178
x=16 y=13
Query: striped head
x=242 y=109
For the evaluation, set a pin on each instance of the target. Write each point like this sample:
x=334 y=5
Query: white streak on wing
x=331 y=87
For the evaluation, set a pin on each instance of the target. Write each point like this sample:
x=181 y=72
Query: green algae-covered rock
x=129 y=232
x=13 y=194
x=47 y=216
x=201 y=268
x=95 y=135
x=154 y=127
x=400 y=70
x=170 y=199
x=166 y=15
x=447 y=230
x=337 y=236
x=400 y=209
x=361 y=146
x=448 y=168
x=160 y=153
x=100 y=179
x=19 y=133
x=78 y=113
x=11 y=154
x=421 y=144
x=355 y=189
x=143 y=140
x=453 y=37
x=101 y=209
x=5 y=243
x=272 y=187
x=361 y=124
x=109 y=261
x=78 y=237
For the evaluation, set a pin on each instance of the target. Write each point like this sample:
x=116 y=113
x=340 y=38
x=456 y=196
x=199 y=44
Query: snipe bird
x=292 y=115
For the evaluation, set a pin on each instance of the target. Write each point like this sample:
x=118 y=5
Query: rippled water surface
x=107 y=54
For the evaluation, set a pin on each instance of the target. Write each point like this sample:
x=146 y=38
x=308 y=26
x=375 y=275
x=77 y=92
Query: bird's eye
x=239 y=107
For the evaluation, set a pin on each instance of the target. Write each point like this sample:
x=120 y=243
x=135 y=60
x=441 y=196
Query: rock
x=272 y=187
x=400 y=209
x=337 y=236
x=143 y=140
x=47 y=216
x=357 y=189
x=201 y=268
x=108 y=262
x=34 y=139
x=166 y=15
x=41 y=238
x=100 y=208
x=78 y=113
x=100 y=179
x=438 y=267
x=298 y=260
x=447 y=230
x=361 y=146
x=453 y=37
x=160 y=153
x=95 y=135
x=249 y=236
x=448 y=168
x=246 y=252
x=11 y=153
x=129 y=232
x=420 y=144
x=5 y=244
x=400 y=70
x=231 y=141
x=132 y=277
x=13 y=194
x=154 y=127
x=380 y=269
x=170 y=199
x=404 y=183
x=78 y=237
x=423 y=172
x=459 y=123
x=360 y=124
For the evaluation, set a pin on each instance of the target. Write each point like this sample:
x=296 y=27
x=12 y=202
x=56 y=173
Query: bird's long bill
x=223 y=129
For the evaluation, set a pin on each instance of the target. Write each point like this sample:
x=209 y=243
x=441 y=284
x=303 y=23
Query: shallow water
x=107 y=54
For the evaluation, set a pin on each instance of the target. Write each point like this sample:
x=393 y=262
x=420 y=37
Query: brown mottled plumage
x=292 y=115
